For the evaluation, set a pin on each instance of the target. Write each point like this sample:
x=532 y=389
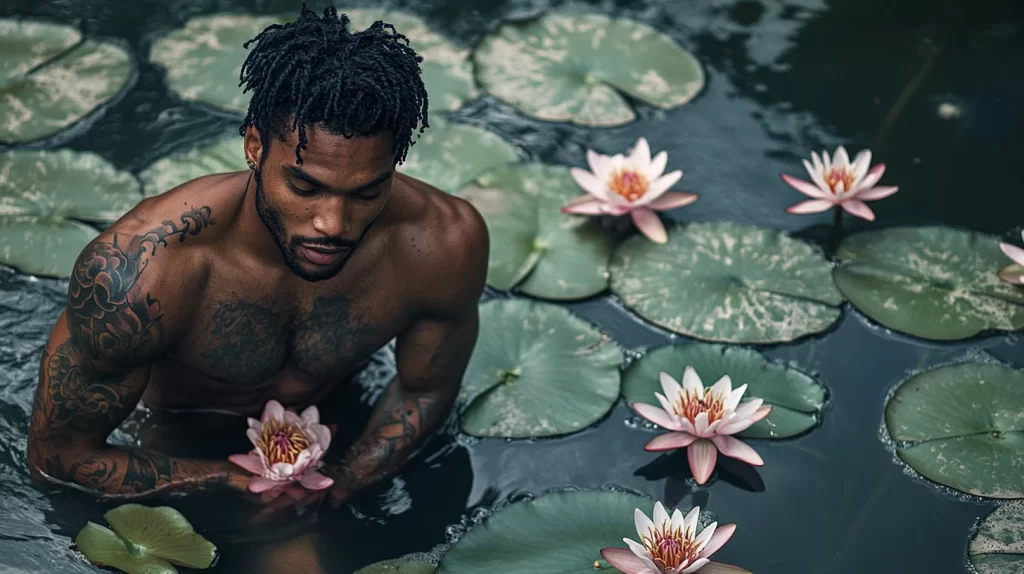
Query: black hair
x=315 y=71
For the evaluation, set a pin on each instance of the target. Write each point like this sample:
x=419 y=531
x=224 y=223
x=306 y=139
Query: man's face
x=318 y=212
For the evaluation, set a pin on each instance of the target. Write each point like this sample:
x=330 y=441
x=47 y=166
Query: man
x=277 y=283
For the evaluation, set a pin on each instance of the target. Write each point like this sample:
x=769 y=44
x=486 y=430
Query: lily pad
x=561 y=532
x=46 y=199
x=536 y=371
x=998 y=546
x=399 y=566
x=50 y=79
x=931 y=282
x=224 y=156
x=961 y=426
x=103 y=548
x=796 y=398
x=727 y=282
x=448 y=155
x=162 y=532
x=571 y=68
x=204 y=58
x=534 y=246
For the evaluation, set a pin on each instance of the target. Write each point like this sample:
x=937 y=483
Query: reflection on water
x=930 y=86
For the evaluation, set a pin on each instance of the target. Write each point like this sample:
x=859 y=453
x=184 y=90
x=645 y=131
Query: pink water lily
x=633 y=184
x=703 y=420
x=1013 y=273
x=288 y=448
x=839 y=183
x=672 y=545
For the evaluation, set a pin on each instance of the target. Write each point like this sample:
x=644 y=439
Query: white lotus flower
x=1013 y=273
x=634 y=184
x=702 y=420
x=839 y=183
x=672 y=545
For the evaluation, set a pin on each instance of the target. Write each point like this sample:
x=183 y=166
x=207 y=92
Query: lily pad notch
x=576 y=68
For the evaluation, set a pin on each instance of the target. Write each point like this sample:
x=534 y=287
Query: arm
x=95 y=368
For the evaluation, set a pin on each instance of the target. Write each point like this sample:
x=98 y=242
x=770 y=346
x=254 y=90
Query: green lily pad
x=204 y=58
x=961 y=426
x=561 y=532
x=224 y=156
x=399 y=566
x=50 y=79
x=448 y=155
x=162 y=532
x=103 y=548
x=546 y=253
x=727 y=282
x=931 y=282
x=796 y=398
x=536 y=371
x=46 y=199
x=998 y=546
x=567 y=68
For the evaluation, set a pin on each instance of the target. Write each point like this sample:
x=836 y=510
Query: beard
x=274 y=223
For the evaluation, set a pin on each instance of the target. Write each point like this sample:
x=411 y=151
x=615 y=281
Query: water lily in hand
x=839 y=183
x=1013 y=273
x=703 y=420
x=633 y=184
x=672 y=545
x=288 y=448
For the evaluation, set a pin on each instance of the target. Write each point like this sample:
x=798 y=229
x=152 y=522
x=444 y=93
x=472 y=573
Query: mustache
x=328 y=242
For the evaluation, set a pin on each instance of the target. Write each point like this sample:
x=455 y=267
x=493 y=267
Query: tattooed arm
x=96 y=365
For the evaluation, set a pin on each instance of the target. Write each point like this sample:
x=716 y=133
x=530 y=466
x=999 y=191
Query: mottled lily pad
x=536 y=371
x=572 y=68
x=931 y=282
x=225 y=155
x=963 y=426
x=727 y=282
x=560 y=532
x=448 y=155
x=796 y=398
x=399 y=566
x=46 y=199
x=103 y=548
x=534 y=246
x=204 y=58
x=998 y=546
x=50 y=79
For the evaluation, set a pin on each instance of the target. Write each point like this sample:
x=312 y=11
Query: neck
x=253 y=236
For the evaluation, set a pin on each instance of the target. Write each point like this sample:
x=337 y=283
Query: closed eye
x=299 y=191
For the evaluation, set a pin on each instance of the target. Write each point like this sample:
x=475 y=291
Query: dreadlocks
x=314 y=71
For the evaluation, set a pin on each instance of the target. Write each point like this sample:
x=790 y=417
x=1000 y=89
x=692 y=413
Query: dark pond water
x=784 y=77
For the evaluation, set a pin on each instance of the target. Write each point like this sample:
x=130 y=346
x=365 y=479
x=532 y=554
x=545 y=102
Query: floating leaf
x=568 y=68
x=45 y=198
x=998 y=546
x=162 y=532
x=795 y=397
x=548 y=254
x=537 y=370
x=722 y=281
x=226 y=155
x=49 y=79
x=961 y=426
x=931 y=282
x=399 y=566
x=562 y=532
x=204 y=58
x=448 y=155
x=103 y=548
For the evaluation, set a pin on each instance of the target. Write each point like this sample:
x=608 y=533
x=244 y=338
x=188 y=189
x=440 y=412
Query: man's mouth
x=319 y=255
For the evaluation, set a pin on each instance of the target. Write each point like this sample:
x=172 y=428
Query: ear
x=252 y=145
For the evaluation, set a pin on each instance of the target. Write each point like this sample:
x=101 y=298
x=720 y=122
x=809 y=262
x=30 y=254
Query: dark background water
x=783 y=78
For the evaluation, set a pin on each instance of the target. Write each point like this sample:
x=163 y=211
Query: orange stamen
x=628 y=184
x=670 y=547
x=689 y=406
x=282 y=442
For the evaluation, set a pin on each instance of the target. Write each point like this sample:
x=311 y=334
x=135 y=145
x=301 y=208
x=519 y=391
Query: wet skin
x=223 y=293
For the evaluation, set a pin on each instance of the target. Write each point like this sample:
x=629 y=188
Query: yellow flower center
x=689 y=406
x=628 y=184
x=670 y=547
x=837 y=175
x=282 y=442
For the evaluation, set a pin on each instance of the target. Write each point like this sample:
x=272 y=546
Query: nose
x=333 y=217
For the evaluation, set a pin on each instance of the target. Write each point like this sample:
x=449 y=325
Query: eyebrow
x=298 y=173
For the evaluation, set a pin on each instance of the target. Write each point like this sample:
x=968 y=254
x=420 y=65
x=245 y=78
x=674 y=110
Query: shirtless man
x=276 y=283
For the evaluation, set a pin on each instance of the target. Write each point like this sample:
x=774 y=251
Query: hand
x=277 y=501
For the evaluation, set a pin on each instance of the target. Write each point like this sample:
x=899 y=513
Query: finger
x=272 y=510
x=270 y=495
